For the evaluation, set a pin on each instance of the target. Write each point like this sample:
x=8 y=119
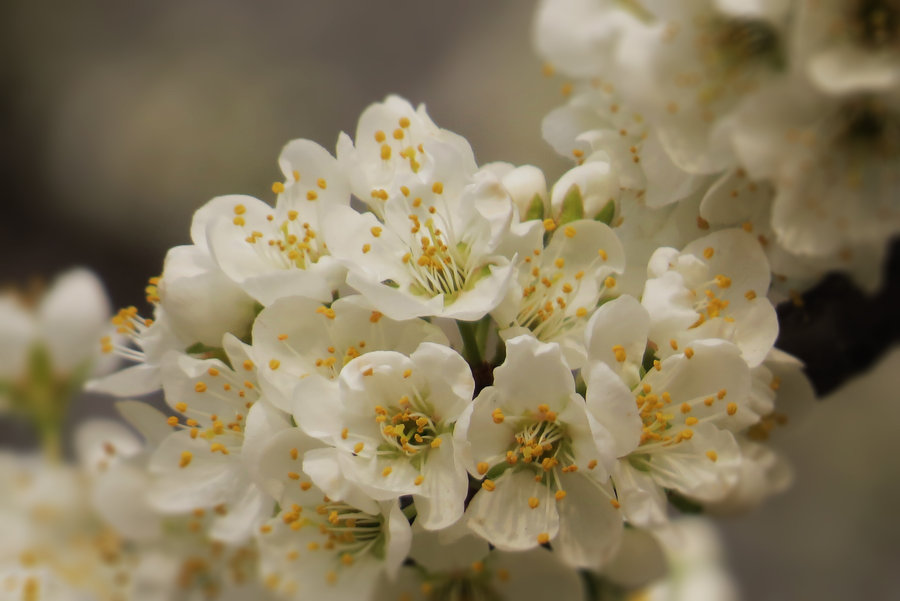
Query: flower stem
x=471 y=349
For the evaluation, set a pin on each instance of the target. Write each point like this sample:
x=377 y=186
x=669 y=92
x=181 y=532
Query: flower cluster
x=414 y=377
x=779 y=117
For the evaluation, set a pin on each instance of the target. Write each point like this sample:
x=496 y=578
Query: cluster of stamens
x=407 y=428
x=292 y=244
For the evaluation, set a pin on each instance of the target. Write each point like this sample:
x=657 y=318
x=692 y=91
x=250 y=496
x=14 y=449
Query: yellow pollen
x=345 y=433
x=560 y=263
x=592 y=464
x=437 y=187
x=292 y=215
x=358 y=447
x=274 y=364
x=483 y=468
x=721 y=394
x=577 y=153
x=691 y=421
x=200 y=387
x=569 y=231
x=321 y=183
x=311 y=195
x=533 y=502
x=404 y=122
x=407 y=373
x=723 y=281
x=750 y=295
x=731 y=408
x=419 y=479
x=560 y=495
x=543 y=538
x=615 y=503
x=581 y=312
x=294 y=454
x=305 y=485
x=380 y=136
x=488 y=485
x=368 y=372
x=218 y=446
x=238 y=221
x=688 y=352
x=293 y=475
x=185 y=460
x=685 y=408
x=386 y=471
x=376 y=231
x=182 y=407
x=239 y=209
x=385 y=152
x=247 y=364
x=619 y=351
x=277 y=187
x=687 y=434
x=497 y=416
x=708 y=252
x=712 y=455
x=549 y=225
x=435 y=443
x=609 y=282
x=366 y=248
x=398 y=134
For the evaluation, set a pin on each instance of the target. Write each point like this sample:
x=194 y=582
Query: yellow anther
x=380 y=136
x=560 y=262
x=685 y=408
x=407 y=373
x=483 y=468
x=731 y=408
x=581 y=312
x=358 y=447
x=293 y=475
x=436 y=443
x=543 y=538
x=345 y=433
x=238 y=221
x=775 y=384
x=182 y=407
x=533 y=502
x=305 y=485
x=686 y=434
x=419 y=479
x=277 y=187
x=366 y=248
x=437 y=187
x=312 y=195
x=592 y=464
x=549 y=225
x=602 y=254
x=619 y=351
x=385 y=152
x=404 y=122
x=265 y=528
x=708 y=252
x=688 y=352
x=723 y=281
x=331 y=576
x=326 y=311
x=750 y=295
x=691 y=421
x=713 y=456
x=172 y=421
x=218 y=447
x=721 y=394
x=321 y=183
x=615 y=503
x=488 y=485
x=240 y=209
x=185 y=460
x=247 y=364
x=274 y=364
x=609 y=282
x=294 y=454
x=292 y=215
x=569 y=231
x=497 y=416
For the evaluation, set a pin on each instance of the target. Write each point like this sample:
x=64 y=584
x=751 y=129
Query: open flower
x=544 y=457
x=715 y=288
x=392 y=423
x=429 y=244
x=678 y=433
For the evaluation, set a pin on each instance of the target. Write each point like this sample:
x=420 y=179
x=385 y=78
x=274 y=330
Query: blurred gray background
x=119 y=119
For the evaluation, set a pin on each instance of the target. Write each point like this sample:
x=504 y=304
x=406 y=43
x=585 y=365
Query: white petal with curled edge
x=612 y=404
x=136 y=380
x=72 y=317
x=590 y=528
x=504 y=517
x=533 y=373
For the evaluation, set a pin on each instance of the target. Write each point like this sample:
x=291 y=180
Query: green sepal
x=606 y=214
x=683 y=504
x=535 y=209
x=572 y=206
